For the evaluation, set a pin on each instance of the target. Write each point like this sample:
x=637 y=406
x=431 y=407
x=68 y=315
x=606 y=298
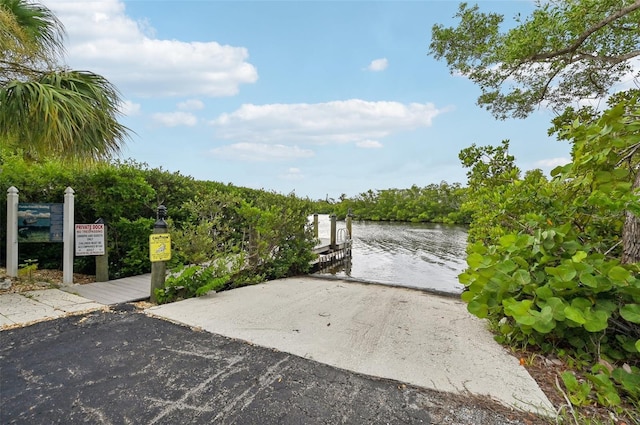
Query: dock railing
x=337 y=248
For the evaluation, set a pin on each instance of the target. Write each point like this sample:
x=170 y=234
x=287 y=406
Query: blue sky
x=320 y=98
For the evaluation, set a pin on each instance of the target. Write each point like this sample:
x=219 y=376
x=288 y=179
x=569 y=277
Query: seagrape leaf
x=564 y=272
x=596 y=321
x=631 y=313
x=516 y=308
x=602 y=177
x=474 y=260
x=467 y=296
x=629 y=381
x=606 y=305
x=544 y=292
x=527 y=319
x=560 y=285
x=620 y=173
x=544 y=322
x=581 y=303
x=587 y=279
x=579 y=256
x=571 y=246
x=575 y=315
x=619 y=274
x=465 y=278
x=478 y=309
x=557 y=308
x=508 y=240
x=521 y=277
x=506 y=266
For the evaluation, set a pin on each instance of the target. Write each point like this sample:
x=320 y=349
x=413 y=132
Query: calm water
x=421 y=255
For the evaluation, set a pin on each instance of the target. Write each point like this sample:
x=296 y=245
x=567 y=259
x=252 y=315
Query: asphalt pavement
x=293 y=351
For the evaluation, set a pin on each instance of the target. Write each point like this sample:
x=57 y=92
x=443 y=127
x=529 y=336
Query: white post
x=68 y=229
x=12 y=232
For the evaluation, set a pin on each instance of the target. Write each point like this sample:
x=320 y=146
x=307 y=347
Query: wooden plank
x=116 y=291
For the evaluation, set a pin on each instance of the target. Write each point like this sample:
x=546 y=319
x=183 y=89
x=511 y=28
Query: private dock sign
x=160 y=247
x=90 y=239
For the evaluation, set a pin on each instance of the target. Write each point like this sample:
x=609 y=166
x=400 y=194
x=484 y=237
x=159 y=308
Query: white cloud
x=378 y=65
x=552 y=162
x=102 y=38
x=129 y=108
x=191 y=105
x=347 y=121
x=174 y=119
x=369 y=144
x=292 y=174
x=261 y=152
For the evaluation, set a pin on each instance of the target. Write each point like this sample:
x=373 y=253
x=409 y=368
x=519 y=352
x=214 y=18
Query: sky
x=319 y=98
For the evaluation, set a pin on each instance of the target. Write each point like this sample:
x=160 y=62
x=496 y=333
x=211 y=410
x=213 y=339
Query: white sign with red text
x=90 y=239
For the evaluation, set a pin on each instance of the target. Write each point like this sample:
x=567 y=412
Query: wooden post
x=158 y=268
x=349 y=217
x=315 y=225
x=333 y=231
x=68 y=229
x=12 y=232
x=102 y=261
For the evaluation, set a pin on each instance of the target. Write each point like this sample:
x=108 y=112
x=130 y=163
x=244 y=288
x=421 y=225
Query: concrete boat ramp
x=388 y=332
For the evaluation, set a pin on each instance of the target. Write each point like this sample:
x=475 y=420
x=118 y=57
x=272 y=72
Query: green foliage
x=433 y=203
x=578 y=392
x=191 y=281
x=210 y=220
x=545 y=57
x=545 y=261
x=128 y=247
x=27 y=268
x=235 y=239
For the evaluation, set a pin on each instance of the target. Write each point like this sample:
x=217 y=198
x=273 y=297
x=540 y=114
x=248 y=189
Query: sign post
x=90 y=239
x=12 y=232
x=67 y=237
x=159 y=252
x=102 y=261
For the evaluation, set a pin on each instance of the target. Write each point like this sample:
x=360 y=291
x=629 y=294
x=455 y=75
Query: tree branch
x=581 y=39
x=612 y=60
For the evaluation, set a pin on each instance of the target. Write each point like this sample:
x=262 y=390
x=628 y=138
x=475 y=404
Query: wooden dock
x=328 y=255
x=128 y=289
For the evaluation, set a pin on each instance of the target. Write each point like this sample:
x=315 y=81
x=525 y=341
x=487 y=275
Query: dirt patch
x=546 y=371
x=39 y=279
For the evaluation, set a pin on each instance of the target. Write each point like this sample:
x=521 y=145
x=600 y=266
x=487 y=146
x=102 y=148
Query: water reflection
x=421 y=255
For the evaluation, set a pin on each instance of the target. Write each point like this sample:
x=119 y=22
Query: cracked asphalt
x=124 y=367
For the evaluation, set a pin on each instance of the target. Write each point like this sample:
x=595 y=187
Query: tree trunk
x=631 y=232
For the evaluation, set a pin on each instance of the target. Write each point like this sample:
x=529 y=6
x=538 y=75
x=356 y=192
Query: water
x=419 y=255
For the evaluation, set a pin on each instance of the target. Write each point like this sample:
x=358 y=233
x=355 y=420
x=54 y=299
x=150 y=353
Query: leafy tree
x=45 y=108
x=546 y=269
x=555 y=263
x=489 y=165
x=435 y=203
x=564 y=51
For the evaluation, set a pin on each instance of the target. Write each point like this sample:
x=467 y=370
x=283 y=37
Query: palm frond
x=70 y=114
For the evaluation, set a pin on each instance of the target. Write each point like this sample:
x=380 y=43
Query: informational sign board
x=40 y=222
x=160 y=247
x=90 y=239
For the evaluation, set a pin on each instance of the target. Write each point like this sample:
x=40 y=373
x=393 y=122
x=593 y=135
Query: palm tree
x=46 y=109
